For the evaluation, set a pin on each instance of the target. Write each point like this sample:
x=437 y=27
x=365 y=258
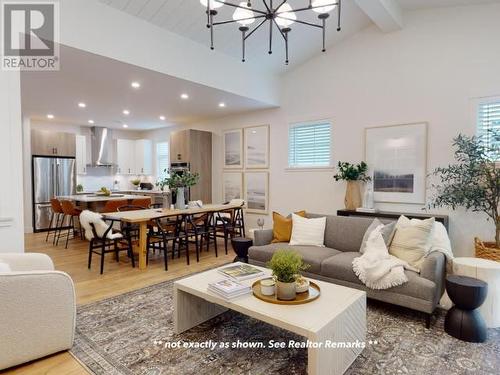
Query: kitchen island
x=96 y=202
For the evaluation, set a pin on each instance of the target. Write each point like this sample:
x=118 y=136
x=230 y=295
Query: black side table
x=241 y=246
x=463 y=321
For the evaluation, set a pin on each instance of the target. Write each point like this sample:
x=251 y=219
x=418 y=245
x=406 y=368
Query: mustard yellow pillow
x=282 y=226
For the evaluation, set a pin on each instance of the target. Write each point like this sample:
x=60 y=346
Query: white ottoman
x=488 y=271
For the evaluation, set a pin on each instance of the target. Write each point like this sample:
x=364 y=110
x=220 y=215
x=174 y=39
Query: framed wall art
x=257 y=147
x=233 y=149
x=232 y=186
x=257 y=192
x=397 y=158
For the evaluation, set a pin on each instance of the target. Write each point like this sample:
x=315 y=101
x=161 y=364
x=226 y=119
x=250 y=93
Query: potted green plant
x=473 y=182
x=286 y=266
x=136 y=182
x=353 y=175
x=178 y=183
x=79 y=188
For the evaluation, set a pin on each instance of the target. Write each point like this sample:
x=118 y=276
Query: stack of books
x=241 y=271
x=229 y=289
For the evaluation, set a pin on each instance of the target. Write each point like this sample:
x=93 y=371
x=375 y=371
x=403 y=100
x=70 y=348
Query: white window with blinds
x=488 y=120
x=310 y=145
x=162 y=159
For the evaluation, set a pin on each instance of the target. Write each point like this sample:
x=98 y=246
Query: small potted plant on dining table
x=286 y=266
x=353 y=174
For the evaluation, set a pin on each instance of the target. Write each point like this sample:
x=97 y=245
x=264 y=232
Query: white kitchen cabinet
x=144 y=157
x=81 y=154
x=125 y=156
x=134 y=157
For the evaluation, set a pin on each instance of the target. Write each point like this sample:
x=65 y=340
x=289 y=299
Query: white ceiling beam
x=386 y=14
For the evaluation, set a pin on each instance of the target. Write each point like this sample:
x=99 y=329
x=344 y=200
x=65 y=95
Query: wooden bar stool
x=69 y=210
x=141 y=202
x=57 y=213
x=112 y=206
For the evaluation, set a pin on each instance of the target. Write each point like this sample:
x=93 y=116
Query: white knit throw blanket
x=376 y=268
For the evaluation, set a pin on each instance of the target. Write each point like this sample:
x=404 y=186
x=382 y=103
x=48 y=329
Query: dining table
x=141 y=218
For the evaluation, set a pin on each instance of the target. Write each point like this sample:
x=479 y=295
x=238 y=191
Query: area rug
x=131 y=334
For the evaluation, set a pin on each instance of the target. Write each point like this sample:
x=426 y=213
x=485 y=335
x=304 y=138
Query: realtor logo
x=30 y=35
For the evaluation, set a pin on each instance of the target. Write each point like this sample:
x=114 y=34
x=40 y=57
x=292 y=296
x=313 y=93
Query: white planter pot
x=285 y=291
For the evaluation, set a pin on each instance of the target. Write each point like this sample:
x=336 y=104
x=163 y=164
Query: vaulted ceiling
x=187 y=18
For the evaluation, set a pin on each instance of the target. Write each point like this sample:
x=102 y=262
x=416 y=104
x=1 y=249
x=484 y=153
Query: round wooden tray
x=301 y=298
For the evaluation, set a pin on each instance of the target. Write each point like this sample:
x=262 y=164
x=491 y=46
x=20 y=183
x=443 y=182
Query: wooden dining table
x=142 y=217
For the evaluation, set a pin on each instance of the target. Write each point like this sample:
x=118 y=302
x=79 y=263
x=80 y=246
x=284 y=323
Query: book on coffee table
x=229 y=289
x=241 y=271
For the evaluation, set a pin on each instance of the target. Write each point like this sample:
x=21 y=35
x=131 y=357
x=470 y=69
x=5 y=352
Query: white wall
x=429 y=71
x=11 y=199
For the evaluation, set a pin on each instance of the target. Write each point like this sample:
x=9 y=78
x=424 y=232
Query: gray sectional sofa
x=333 y=263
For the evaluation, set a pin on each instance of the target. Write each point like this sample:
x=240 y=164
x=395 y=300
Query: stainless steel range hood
x=102 y=147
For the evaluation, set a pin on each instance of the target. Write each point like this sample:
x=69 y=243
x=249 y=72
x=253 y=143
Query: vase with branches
x=353 y=174
x=178 y=182
x=473 y=181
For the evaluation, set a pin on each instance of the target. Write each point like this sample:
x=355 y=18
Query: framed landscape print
x=233 y=148
x=257 y=147
x=397 y=159
x=232 y=186
x=257 y=192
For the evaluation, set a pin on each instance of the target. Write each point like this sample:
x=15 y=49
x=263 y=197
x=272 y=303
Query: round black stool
x=463 y=321
x=241 y=246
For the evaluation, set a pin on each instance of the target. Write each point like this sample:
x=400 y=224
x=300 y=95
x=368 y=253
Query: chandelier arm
x=267 y=6
x=255 y=29
x=279 y=6
x=281 y=32
x=240 y=19
x=339 y=13
x=311 y=8
x=302 y=22
x=237 y=6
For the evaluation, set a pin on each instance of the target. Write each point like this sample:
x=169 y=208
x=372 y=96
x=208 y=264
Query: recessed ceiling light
x=126 y=112
x=162 y=118
x=50 y=116
x=222 y=104
x=125 y=125
x=135 y=85
x=91 y=122
x=82 y=105
x=184 y=96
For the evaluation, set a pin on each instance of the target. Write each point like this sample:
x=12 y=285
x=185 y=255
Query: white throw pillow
x=308 y=232
x=4 y=268
x=412 y=240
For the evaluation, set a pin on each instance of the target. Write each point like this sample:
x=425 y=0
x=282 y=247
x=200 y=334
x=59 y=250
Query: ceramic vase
x=285 y=291
x=352 y=195
x=180 y=202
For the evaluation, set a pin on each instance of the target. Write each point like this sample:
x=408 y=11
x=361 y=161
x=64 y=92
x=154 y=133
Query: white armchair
x=37 y=309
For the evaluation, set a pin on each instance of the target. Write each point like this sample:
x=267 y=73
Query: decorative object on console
x=257 y=147
x=233 y=148
x=286 y=265
x=352 y=174
x=282 y=226
x=281 y=16
x=459 y=185
x=256 y=192
x=232 y=186
x=260 y=223
x=367 y=199
x=397 y=156
x=308 y=232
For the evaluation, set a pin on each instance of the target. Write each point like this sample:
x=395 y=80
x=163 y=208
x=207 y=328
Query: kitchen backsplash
x=97 y=178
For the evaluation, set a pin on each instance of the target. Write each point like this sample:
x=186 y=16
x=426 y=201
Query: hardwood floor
x=118 y=278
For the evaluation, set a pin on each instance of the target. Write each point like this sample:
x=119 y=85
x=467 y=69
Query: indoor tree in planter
x=473 y=182
x=353 y=174
x=286 y=266
x=177 y=183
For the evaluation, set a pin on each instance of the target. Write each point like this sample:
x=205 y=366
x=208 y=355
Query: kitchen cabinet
x=81 y=154
x=134 y=157
x=144 y=157
x=194 y=147
x=48 y=143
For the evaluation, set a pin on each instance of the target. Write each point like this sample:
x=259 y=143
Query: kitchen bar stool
x=141 y=202
x=69 y=210
x=56 y=214
x=112 y=206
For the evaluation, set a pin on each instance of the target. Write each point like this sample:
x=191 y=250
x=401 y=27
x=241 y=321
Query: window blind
x=162 y=159
x=488 y=120
x=309 y=145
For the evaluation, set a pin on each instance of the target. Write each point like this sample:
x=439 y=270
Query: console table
x=394 y=215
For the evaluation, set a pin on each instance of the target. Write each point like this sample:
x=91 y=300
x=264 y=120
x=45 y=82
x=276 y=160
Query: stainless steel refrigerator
x=52 y=177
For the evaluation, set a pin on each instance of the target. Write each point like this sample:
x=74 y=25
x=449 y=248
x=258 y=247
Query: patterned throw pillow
x=412 y=240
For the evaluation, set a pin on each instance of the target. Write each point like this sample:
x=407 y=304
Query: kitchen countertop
x=89 y=198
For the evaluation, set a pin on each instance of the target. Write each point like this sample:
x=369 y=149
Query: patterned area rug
x=128 y=334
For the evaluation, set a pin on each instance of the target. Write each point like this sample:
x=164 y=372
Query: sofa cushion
x=311 y=255
x=340 y=267
x=345 y=233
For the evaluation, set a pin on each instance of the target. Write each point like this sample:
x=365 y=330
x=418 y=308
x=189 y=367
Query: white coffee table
x=338 y=315
x=488 y=271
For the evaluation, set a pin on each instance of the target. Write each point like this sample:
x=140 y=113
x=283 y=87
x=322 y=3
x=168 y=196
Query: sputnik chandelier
x=280 y=15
